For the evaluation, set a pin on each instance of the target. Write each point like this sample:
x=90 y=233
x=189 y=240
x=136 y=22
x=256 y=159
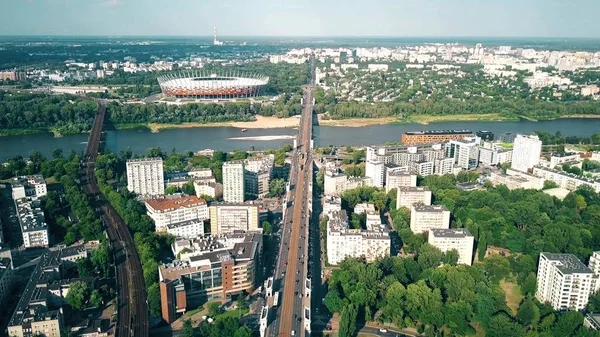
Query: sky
x=398 y=18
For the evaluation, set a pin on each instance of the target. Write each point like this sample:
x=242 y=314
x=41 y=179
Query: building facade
x=409 y=196
x=459 y=239
x=526 y=152
x=145 y=176
x=233 y=181
x=172 y=210
x=424 y=218
x=400 y=179
x=226 y=218
x=187 y=229
x=564 y=282
x=434 y=136
x=32 y=187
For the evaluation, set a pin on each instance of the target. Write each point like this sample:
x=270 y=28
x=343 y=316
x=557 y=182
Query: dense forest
x=63 y=114
x=414 y=291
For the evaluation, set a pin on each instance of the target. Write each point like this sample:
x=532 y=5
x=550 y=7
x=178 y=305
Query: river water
x=219 y=138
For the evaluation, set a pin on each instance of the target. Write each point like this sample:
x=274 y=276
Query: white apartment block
x=343 y=242
x=565 y=180
x=465 y=153
x=561 y=158
x=145 y=176
x=331 y=204
x=258 y=173
x=376 y=171
x=33 y=187
x=459 y=239
x=172 y=210
x=426 y=217
x=409 y=196
x=492 y=157
x=400 y=179
x=526 y=152
x=443 y=166
x=422 y=168
x=337 y=183
x=594 y=263
x=364 y=208
x=233 y=181
x=200 y=173
x=564 y=282
x=187 y=229
x=33 y=224
x=225 y=218
x=207 y=187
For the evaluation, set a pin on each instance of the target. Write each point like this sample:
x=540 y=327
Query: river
x=219 y=138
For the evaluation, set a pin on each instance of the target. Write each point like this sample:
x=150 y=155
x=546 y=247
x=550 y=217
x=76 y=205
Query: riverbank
x=357 y=122
x=416 y=119
x=24 y=132
x=261 y=122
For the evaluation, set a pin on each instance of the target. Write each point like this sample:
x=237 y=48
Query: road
x=132 y=302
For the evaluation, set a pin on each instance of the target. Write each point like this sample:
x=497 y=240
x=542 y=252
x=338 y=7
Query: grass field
x=236 y=313
x=513 y=295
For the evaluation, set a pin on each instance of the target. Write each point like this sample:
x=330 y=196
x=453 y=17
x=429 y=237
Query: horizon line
x=307 y=36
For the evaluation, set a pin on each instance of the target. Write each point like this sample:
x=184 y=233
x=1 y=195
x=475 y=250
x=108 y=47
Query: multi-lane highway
x=132 y=305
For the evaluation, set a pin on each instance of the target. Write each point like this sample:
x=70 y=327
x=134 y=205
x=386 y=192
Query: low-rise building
x=336 y=183
x=212 y=272
x=226 y=218
x=564 y=179
x=426 y=217
x=459 y=239
x=175 y=209
x=409 y=196
x=32 y=187
x=207 y=186
x=33 y=223
x=564 y=282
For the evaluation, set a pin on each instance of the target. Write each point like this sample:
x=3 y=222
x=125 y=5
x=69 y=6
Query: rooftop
x=28 y=180
x=451 y=233
x=430 y=208
x=170 y=204
x=413 y=189
x=439 y=132
x=567 y=263
x=31 y=216
x=144 y=160
x=184 y=223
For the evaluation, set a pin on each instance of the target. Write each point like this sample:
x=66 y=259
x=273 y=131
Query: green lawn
x=236 y=313
x=513 y=295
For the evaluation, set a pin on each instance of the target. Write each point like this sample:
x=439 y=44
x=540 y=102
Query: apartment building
x=187 y=229
x=233 y=181
x=526 y=154
x=426 y=217
x=422 y=168
x=214 y=270
x=459 y=239
x=207 y=186
x=226 y=217
x=409 y=196
x=33 y=223
x=564 y=179
x=376 y=171
x=434 y=136
x=145 y=176
x=336 y=183
x=398 y=179
x=198 y=173
x=491 y=157
x=38 y=311
x=342 y=242
x=175 y=209
x=562 y=158
x=564 y=282
x=32 y=187
x=443 y=166
x=258 y=174
x=465 y=153
x=6 y=278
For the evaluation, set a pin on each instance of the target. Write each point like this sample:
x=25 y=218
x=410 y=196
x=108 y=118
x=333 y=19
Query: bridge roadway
x=132 y=305
x=291 y=266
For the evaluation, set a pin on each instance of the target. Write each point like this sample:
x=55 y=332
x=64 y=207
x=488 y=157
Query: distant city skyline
x=375 y=18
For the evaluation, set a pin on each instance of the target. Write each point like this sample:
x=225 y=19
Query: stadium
x=197 y=85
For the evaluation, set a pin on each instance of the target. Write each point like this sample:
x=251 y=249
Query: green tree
x=188 y=328
x=348 y=321
x=214 y=308
x=451 y=257
x=77 y=295
x=529 y=285
x=95 y=299
x=482 y=245
x=171 y=189
x=154 y=300
x=528 y=313
x=101 y=259
x=188 y=188
x=429 y=256
x=276 y=188
x=568 y=323
x=85 y=267
x=267 y=227
x=502 y=326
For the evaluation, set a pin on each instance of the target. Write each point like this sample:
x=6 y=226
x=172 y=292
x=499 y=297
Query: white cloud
x=110 y=3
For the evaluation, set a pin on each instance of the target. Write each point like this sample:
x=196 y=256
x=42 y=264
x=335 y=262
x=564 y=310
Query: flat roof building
x=33 y=223
x=226 y=218
x=432 y=136
x=564 y=282
x=424 y=218
x=233 y=181
x=210 y=273
x=407 y=196
x=145 y=176
x=32 y=187
x=459 y=239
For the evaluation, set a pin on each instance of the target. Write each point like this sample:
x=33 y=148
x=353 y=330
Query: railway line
x=132 y=305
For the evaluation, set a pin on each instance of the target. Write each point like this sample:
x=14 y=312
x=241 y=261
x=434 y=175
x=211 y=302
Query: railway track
x=132 y=308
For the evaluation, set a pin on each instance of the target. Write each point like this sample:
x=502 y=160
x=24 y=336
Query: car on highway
x=384 y=330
